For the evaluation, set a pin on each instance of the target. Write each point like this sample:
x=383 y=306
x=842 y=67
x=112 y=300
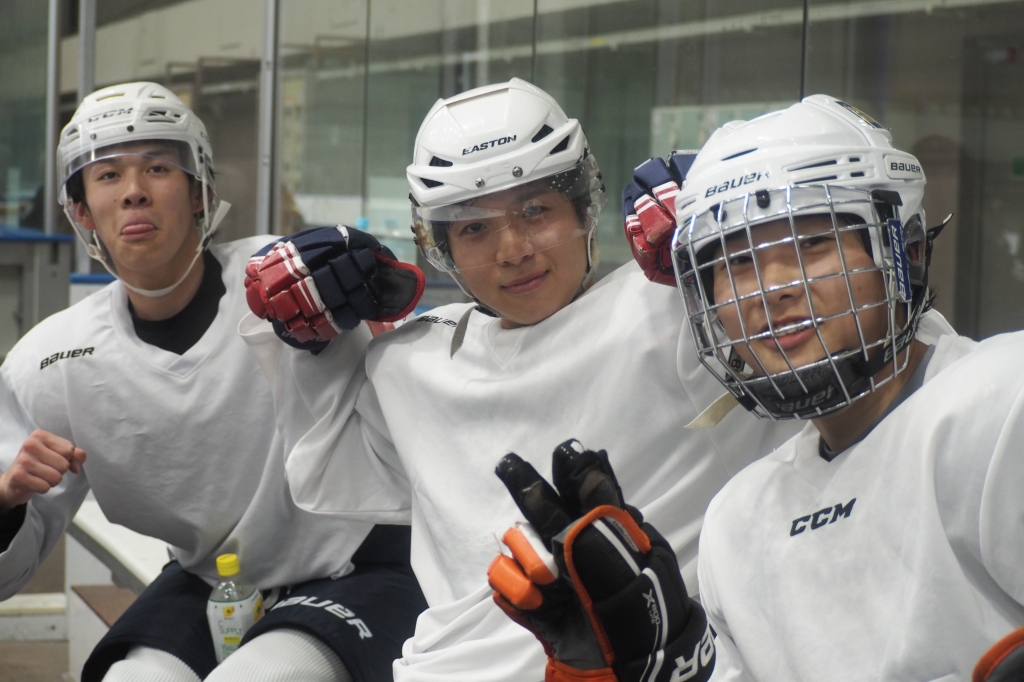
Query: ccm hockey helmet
x=111 y=122
x=818 y=157
x=481 y=160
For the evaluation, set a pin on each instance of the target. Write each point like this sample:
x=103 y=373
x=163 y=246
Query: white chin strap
x=95 y=250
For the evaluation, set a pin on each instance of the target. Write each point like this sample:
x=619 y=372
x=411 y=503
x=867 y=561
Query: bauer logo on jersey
x=822 y=517
x=63 y=355
x=903 y=168
x=437 y=320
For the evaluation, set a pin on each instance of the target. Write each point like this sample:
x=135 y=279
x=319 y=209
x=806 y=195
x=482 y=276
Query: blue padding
x=10 y=233
x=88 y=278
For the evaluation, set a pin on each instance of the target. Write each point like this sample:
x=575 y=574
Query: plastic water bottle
x=233 y=608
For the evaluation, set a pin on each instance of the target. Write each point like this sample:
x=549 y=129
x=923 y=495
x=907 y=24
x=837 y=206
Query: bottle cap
x=227 y=565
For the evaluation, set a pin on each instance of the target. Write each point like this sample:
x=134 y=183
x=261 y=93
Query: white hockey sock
x=283 y=655
x=143 y=664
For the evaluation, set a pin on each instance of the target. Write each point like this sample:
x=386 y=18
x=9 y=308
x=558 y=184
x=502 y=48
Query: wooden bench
x=106 y=567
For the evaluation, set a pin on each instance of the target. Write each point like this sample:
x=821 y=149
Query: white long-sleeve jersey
x=898 y=560
x=179 y=447
x=615 y=369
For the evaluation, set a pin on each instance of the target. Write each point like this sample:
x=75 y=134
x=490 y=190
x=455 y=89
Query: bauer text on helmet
x=802 y=257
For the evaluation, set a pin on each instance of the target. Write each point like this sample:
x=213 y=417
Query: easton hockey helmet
x=112 y=118
x=480 y=158
x=819 y=157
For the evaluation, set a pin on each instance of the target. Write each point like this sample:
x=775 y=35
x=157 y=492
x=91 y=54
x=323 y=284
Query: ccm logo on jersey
x=821 y=517
x=329 y=606
x=76 y=353
x=734 y=183
x=490 y=143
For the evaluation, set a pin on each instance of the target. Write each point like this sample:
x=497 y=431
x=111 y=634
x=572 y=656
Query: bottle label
x=230 y=620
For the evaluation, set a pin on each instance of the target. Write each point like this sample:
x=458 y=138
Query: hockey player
x=885 y=540
x=506 y=196
x=144 y=394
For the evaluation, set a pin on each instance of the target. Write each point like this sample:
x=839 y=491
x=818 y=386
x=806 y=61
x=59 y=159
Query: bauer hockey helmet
x=109 y=120
x=487 y=141
x=818 y=157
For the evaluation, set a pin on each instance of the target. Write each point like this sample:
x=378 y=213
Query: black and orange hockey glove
x=599 y=588
x=1004 y=662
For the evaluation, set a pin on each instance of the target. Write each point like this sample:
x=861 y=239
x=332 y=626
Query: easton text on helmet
x=487 y=145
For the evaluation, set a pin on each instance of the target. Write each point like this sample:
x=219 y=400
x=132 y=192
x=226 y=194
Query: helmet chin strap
x=96 y=252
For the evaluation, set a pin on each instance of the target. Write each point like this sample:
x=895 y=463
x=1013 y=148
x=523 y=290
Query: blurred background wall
x=349 y=82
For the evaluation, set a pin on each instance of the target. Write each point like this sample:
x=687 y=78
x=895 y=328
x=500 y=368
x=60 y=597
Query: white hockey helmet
x=818 y=157
x=109 y=120
x=487 y=141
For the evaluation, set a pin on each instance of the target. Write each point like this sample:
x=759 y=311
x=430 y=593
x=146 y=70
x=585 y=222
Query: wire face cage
x=798 y=297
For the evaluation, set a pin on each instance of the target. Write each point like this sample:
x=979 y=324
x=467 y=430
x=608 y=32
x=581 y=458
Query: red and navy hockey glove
x=1004 y=662
x=316 y=283
x=599 y=588
x=649 y=213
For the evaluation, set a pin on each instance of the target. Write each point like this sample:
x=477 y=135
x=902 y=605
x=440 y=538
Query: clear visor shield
x=108 y=166
x=510 y=224
x=800 y=278
x=94 y=160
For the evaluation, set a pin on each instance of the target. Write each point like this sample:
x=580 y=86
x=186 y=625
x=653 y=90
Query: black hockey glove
x=316 y=283
x=599 y=588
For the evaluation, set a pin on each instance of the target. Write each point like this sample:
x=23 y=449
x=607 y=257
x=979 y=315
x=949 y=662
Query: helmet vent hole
x=738 y=154
x=858 y=174
x=854 y=159
x=111 y=95
x=544 y=131
x=824 y=178
x=830 y=162
x=439 y=162
x=162 y=116
x=430 y=184
x=561 y=146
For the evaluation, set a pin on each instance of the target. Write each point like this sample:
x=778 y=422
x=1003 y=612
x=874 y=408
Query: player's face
x=788 y=302
x=527 y=264
x=142 y=206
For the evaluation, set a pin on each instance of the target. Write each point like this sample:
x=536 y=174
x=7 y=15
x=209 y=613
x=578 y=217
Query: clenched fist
x=40 y=465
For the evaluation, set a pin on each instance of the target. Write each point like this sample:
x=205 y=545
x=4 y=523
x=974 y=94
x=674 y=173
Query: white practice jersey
x=616 y=369
x=179 y=447
x=901 y=559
